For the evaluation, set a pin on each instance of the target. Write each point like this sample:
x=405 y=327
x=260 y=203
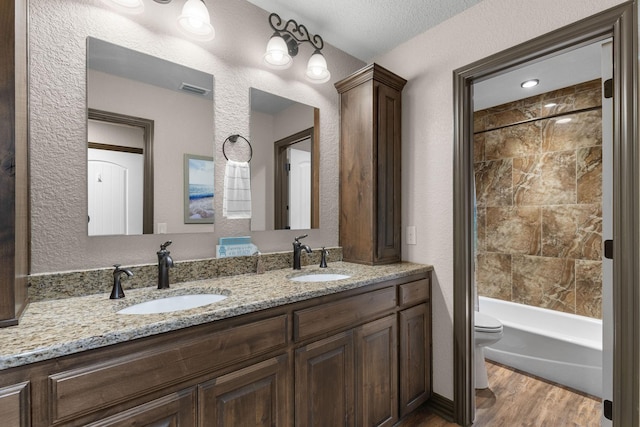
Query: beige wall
x=57 y=41
x=539 y=200
x=428 y=62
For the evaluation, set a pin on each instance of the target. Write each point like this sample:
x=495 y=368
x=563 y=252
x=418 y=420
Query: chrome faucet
x=117 y=292
x=165 y=262
x=297 y=249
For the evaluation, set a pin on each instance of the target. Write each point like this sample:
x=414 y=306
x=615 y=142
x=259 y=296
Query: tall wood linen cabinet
x=14 y=211
x=370 y=154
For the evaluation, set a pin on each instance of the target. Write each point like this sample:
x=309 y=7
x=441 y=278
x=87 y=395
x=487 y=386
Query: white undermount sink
x=319 y=277
x=176 y=303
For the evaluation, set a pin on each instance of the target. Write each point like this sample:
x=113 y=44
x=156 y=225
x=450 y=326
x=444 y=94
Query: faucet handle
x=163 y=246
x=297 y=239
x=323 y=257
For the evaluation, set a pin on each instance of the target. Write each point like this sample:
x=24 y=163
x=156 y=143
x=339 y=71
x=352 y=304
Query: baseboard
x=441 y=406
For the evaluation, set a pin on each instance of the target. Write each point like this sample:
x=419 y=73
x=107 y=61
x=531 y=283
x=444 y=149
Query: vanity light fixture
x=529 y=83
x=194 y=21
x=283 y=46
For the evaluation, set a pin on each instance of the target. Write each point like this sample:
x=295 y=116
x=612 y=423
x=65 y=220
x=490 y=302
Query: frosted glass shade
x=317 y=71
x=126 y=6
x=195 y=21
x=277 y=54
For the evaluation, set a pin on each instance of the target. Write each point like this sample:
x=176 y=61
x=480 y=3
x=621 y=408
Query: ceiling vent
x=194 y=89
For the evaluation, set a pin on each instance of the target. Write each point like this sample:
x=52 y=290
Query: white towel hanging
x=236 y=201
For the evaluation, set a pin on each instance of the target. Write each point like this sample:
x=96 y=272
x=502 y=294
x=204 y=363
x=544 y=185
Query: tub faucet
x=165 y=262
x=297 y=249
x=117 y=292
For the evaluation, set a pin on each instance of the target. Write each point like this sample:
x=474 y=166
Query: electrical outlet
x=162 y=228
x=411 y=235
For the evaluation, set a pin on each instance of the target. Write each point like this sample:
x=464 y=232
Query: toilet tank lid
x=485 y=321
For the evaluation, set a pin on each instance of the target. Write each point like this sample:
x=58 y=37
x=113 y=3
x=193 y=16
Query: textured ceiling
x=366 y=28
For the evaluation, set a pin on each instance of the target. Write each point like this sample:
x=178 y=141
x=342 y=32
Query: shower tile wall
x=539 y=199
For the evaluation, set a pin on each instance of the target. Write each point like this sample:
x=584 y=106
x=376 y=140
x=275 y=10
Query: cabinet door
x=174 y=410
x=324 y=382
x=377 y=373
x=254 y=396
x=415 y=363
x=15 y=405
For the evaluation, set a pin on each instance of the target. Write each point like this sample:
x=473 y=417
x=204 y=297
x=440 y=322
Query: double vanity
x=344 y=345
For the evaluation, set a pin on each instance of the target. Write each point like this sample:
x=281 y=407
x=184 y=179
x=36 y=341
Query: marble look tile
x=589 y=94
x=547 y=179
x=589 y=288
x=544 y=282
x=563 y=104
x=514 y=141
x=479 y=120
x=481 y=229
x=573 y=231
x=514 y=230
x=494 y=183
x=589 y=174
x=513 y=115
x=584 y=130
x=493 y=275
x=478 y=147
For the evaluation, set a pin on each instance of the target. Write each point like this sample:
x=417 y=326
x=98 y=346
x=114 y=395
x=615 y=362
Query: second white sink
x=319 y=277
x=176 y=303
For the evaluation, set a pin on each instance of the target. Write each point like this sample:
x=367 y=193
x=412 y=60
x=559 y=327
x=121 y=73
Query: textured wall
x=539 y=199
x=428 y=62
x=57 y=37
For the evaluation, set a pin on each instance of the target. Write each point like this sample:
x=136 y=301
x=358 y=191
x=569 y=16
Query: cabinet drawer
x=85 y=390
x=347 y=312
x=414 y=292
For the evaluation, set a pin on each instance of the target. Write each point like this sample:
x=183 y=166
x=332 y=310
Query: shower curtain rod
x=553 y=116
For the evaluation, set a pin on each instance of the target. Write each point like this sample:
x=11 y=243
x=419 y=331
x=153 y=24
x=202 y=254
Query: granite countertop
x=54 y=328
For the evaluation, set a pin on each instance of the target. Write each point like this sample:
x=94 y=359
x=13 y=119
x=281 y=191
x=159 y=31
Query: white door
x=299 y=189
x=115 y=192
x=107 y=187
x=607 y=233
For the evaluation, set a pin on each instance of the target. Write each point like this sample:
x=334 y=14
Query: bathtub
x=560 y=347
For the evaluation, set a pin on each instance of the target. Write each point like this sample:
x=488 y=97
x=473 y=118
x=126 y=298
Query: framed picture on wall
x=198 y=189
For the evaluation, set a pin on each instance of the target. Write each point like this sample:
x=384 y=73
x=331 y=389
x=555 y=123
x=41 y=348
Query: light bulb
x=277 y=54
x=317 y=71
x=195 y=21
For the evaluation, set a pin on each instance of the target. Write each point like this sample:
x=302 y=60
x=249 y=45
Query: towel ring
x=233 y=139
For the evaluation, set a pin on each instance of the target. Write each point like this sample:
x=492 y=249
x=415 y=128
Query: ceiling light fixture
x=194 y=21
x=529 y=83
x=283 y=46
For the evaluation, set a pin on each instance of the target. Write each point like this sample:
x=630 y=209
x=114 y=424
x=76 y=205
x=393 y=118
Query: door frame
x=620 y=23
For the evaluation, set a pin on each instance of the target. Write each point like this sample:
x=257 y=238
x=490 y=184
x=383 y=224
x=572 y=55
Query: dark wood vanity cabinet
x=356 y=358
x=370 y=154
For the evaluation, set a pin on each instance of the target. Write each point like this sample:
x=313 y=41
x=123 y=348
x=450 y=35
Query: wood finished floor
x=518 y=400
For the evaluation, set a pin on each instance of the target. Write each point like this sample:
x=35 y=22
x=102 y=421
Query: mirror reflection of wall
x=125 y=86
x=283 y=134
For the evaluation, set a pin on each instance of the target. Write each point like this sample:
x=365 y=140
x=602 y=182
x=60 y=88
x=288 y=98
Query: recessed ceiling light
x=565 y=120
x=529 y=83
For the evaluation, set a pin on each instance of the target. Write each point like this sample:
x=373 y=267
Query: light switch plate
x=162 y=228
x=411 y=235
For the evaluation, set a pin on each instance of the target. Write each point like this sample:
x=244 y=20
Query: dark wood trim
x=441 y=406
x=148 y=127
x=281 y=179
x=120 y=148
x=14 y=178
x=315 y=171
x=619 y=22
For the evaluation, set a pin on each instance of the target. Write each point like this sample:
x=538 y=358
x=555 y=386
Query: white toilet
x=487 y=331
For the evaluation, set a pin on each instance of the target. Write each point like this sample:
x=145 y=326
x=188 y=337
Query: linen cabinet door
x=254 y=396
x=174 y=410
x=377 y=373
x=324 y=383
x=415 y=359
